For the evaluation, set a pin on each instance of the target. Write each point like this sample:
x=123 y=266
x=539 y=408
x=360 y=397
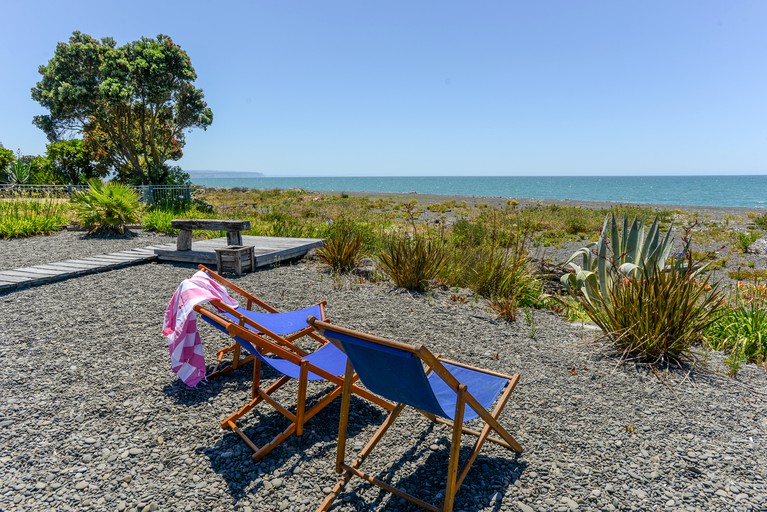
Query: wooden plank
x=143 y=252
x=65 y=269
x=16 y=276
x=89 y=264
x=107 y=259
x=42 y=271
x=210 y=224
x=67 y=265
x=133 y=256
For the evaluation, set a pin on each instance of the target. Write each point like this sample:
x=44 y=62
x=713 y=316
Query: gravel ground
x=92 y=419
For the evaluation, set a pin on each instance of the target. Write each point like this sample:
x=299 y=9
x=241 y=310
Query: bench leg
x=184 y=241
x=233 y=238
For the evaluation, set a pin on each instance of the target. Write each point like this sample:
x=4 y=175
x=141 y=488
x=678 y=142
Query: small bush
x=656 y=317
x=746 y=239
x=106 y=208
x=411 y=262
x=467 y=233
x=342 y=247
x=761 y=220
x=159 y=220
x=503 y=273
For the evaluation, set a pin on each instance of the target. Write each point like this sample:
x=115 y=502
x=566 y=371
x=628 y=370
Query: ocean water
x=743 y=191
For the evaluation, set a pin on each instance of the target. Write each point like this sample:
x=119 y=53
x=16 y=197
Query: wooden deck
x=268 y=250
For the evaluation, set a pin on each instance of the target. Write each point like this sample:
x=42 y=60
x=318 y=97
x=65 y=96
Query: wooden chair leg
x=250 y=405
x=303 y=377
x=236 y=362
x=455 y=450
x=346 y=469
x=484 y=435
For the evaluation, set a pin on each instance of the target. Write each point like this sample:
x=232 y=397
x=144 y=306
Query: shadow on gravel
x=230 y=457
x=243 y=376
x=485 y=485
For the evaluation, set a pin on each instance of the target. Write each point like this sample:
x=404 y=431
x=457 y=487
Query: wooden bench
x=233 y=230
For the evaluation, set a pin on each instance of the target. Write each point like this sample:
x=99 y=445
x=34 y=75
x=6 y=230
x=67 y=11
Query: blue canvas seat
x=445 y=391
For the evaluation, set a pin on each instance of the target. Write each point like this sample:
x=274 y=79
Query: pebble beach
x=91 y=418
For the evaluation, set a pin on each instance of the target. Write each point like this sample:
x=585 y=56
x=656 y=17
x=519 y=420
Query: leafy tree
x=41 y=171
x=6 y=159
x=132 y=103
x=73 y=163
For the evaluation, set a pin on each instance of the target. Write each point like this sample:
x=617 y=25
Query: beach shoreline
x=499 y=202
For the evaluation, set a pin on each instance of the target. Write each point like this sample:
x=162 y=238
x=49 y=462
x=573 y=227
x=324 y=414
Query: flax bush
x=342 y=248
x=411 y=262
x=21 y=218
x=656 y=317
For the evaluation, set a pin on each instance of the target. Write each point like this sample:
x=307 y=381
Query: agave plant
x=19 y=172
x=619 y=253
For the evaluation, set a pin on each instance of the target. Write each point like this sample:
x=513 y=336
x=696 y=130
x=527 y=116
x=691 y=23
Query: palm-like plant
x=106 y=207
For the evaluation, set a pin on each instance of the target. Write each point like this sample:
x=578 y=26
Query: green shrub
x=748 y=275
x=411 y=262
x=106 y=208
x=503 y=273
x=468 y=233
x=656 y=317
x=342 y=247
x=741 y=330
x=746 y=239
x=23 y=218
x=761 y=220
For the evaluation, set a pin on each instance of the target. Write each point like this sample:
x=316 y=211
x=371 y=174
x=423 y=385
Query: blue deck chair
x=273 y=332
x=444 y=391
x=327 y=363
x=286 y=326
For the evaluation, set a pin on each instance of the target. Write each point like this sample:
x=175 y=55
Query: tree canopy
x=72 y=163
x=6 y=159
x=132 y=104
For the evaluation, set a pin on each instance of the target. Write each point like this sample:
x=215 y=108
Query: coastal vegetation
x=651 y=306
x=653 y=295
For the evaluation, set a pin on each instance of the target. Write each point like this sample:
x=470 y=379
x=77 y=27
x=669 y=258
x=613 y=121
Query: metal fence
x=150 y=194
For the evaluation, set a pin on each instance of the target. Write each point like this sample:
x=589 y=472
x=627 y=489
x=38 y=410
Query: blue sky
x=335 y=88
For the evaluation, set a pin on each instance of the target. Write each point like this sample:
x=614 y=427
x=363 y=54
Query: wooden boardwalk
x=268 y=249
x=49 y=272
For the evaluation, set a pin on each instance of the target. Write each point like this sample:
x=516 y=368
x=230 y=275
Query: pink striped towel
x=180 y=326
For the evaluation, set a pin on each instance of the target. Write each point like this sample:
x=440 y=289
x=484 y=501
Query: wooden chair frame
x=455 y=475
x=302 y=414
